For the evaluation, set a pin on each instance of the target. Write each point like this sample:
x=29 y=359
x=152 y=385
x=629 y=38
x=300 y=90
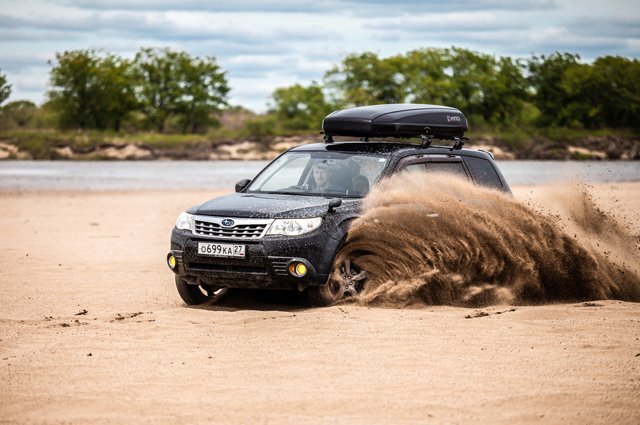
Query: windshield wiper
x=318 y=194
x=284 y=193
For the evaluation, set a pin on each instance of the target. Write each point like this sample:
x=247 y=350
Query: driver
x=324 y=175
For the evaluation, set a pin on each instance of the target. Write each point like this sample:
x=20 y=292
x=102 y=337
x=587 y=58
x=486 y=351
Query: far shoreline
x=25 y=147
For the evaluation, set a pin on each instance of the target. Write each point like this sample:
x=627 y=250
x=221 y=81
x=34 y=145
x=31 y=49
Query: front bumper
x=265 y=264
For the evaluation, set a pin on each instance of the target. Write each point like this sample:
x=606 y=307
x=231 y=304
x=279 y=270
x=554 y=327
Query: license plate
x=221 y=249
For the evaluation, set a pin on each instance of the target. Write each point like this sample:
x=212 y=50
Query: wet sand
x=92 y=331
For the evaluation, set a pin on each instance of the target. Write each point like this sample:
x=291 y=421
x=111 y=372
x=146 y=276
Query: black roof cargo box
x=396 y=120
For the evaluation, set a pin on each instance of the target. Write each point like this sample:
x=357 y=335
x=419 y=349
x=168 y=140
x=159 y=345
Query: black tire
x=199 y=294
x=346 y=280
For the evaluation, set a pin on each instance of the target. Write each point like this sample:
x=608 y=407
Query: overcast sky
x=268 y=44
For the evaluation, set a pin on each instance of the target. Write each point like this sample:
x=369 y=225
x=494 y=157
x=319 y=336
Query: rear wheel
x=347 y=280
x=199 y=294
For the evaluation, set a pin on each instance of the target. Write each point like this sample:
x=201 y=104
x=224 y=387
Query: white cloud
x=265 y=45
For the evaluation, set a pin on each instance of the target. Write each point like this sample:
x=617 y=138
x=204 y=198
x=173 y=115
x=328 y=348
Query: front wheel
x=199 y=294
x=347 y=280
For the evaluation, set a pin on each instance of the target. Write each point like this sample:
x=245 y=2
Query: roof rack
x=458 y=142
x=403 y=120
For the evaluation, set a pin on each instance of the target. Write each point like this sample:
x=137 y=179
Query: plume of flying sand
x=441 y=240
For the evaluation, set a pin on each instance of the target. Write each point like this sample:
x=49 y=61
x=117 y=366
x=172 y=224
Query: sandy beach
x=92 y=330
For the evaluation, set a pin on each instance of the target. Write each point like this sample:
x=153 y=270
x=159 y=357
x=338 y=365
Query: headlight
x=184 y=221
x=294 y=226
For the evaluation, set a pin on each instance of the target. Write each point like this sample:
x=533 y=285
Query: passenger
x=360 y=185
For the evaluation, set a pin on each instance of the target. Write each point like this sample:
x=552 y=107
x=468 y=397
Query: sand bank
x=93 y=331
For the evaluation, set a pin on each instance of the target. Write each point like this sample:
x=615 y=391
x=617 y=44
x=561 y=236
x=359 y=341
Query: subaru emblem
x=227 y=222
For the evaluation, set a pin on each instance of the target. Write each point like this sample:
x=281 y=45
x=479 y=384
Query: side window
x=414 y=168
x=430 y=167
x=483 y=172
x=455 y=168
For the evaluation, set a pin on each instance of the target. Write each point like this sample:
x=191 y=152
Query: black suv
x=283 y=229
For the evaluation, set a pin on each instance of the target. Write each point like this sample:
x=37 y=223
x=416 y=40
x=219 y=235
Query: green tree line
x=93 y=90
x=555 y=90
x=163 y=90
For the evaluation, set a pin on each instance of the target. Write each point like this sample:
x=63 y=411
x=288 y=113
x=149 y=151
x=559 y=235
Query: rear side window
x=455 y=168
x=414 y=168
x=483 y=172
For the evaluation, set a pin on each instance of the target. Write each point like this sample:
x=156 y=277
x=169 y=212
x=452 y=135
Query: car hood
x=257 y=205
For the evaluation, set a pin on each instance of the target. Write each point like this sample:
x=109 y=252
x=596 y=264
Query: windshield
x=320 y=173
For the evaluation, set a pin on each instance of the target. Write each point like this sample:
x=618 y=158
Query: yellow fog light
x=297 y=269
x=172 y=262
x=301 y=269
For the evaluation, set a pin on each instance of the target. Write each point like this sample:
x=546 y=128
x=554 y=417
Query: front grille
x=239 y=231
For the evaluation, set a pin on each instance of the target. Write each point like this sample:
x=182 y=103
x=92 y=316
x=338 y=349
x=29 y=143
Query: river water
x=224 y=174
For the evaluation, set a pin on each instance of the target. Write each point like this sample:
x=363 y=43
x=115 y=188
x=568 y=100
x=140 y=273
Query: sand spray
x=428 y=240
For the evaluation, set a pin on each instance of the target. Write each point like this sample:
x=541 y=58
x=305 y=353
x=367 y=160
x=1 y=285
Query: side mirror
x=242 y=184
x=334 y=203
